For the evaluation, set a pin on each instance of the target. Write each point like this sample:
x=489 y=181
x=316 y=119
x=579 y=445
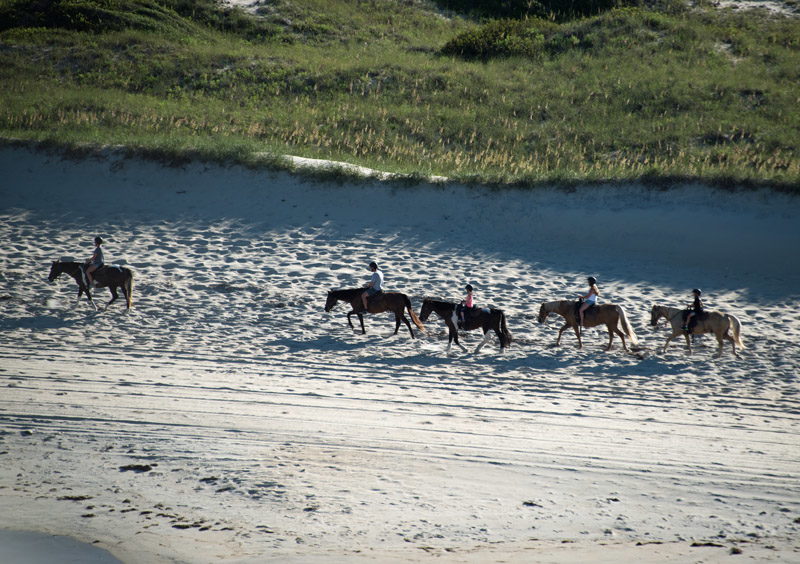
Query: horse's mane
x=437 y=301
x=347 y=292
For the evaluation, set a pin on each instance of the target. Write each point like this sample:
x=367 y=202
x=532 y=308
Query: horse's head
x=655 y=313
x=55 y=271
x=331 y=301
x=425 y=311
x=543 y=313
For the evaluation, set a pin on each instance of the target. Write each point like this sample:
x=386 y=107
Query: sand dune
x=226 y=417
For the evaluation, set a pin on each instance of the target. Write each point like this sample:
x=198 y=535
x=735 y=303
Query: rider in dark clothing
x=696 y=309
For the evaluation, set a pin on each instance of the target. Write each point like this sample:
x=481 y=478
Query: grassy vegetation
x=657 y=94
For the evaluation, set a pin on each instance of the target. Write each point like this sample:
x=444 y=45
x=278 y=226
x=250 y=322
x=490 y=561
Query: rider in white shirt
x=375 y=284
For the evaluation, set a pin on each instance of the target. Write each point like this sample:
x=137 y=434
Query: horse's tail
x=413 y=315
x=735 y=328
x=505 y=334
x=626 y=327
x=129 y=289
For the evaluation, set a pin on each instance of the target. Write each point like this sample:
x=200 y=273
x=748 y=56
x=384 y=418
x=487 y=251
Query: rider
x=590 y=298
x=95 y=261
x=375 y=284
x=466 y=304
x=695 y=309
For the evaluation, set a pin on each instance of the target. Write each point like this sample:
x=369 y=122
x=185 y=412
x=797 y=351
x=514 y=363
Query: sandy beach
x=227 y=418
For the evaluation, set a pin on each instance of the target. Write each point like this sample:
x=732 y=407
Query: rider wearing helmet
x=95 y=261
x=695 y=309
x=374 y=286
x=590 y=298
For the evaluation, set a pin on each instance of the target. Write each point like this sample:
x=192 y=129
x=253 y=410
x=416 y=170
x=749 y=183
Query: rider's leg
x=688 y=321
x=364 y=300
x=583 y=308
x=89 y=270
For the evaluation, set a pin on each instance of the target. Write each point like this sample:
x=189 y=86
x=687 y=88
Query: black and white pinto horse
x=107 y=276
x=477 y=318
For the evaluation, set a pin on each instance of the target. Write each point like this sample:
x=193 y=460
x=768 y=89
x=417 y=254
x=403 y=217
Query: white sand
x=267 y=431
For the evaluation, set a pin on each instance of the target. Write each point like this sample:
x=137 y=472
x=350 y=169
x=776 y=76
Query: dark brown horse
x=111 y=277
x=386 y=301
x=612 y=316
x=726 y=327
x=484 y=319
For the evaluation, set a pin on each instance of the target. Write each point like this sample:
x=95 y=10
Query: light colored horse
x=610 y=315
x=726 y=327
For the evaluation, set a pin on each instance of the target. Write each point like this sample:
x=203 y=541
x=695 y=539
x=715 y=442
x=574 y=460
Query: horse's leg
x=349 y=322
x=452 y=336
x=88 y=296
x=622 y=337
x=674 y=334
x=486 y=336
x=114 y=295
x=560 y=331
x=578 y=334
x=499 y=336
x=361 y=320
x=615 y=329
x=397 y=322
x=688 y=341
x=610 y=336
x=733 y=343
x=405 y=320
x=720 y=341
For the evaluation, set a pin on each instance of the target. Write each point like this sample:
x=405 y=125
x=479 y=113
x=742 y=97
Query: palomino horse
x=386 y=301
x=112 y=277
x=476 y=319
x=723 y=325
x=612 y=316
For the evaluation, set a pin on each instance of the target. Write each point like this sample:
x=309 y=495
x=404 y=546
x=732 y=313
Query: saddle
x=697 y=317
x=372 y=297
x=99 y=275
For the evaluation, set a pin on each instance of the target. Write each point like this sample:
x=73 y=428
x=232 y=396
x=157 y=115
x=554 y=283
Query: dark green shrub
x=500 y=38
x=518 y=9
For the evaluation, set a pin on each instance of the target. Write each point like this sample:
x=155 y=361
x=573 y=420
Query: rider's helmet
x=98 y=240
x=696 y=292
x=468 y=288
x=592 y=280
x=373 y=265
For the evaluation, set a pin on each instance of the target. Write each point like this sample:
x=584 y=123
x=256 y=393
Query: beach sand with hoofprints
x=227 y=418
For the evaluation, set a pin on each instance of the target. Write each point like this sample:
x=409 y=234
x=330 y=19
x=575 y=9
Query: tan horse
x=724 y=326
x=395 y=302
x=612 y=316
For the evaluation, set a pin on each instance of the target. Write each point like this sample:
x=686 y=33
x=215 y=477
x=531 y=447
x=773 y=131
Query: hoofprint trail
x=227 y=418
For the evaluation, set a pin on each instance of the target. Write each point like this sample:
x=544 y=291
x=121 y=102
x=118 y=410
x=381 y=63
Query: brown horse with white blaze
x=610 y=315
x=724 y=326
x=396 y=302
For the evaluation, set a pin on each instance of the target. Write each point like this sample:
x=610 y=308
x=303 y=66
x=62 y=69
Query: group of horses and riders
x=464 y=315
x=586 y=312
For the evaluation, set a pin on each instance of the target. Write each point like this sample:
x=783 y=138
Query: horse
x=395 y=302
x=111 y=277
x=724 y=326
x=610 y=315
x=476 y=319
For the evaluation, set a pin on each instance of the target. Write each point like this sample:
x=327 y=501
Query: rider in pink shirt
x=467 y=303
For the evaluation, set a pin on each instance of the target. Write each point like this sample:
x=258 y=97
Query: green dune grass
x=659 y=94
